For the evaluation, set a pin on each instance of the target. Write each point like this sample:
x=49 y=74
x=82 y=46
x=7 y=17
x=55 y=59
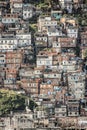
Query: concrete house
x=64 y=2
x=73 y=108
x=19 y=121
x=69 y=6
x=23 y=40
x=44 y=59
x=43 y=23
x=72 y=32
x=83 y=112
x=54 y=31
x=60 y=111
x=7 y=44
x=67 y=42
x=14 y=58
x=28 y=11
x=83 y=46
x=2 y=60
x=9 y=18
x=47 y=58
x=67 y=62
x=11 y=74
x=41 y=40
x=76 y=82
x=46 y=89
x=38 y=72
x=31 y=86
x=69 y=21
x=16 y=6
x=56 y=45
x=26 y=72
x=56 y=14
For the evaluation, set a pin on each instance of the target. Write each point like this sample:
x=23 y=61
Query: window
x=70 y=113
x=21 y=121
x=47 y=62
x=25 y=14
x=63 y=109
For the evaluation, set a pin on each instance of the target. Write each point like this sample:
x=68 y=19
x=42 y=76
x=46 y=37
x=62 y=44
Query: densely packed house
x=48 y=65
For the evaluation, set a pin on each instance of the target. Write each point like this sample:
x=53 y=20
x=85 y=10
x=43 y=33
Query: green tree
x=32 y=105
x=11 y=101
x=85 y=54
